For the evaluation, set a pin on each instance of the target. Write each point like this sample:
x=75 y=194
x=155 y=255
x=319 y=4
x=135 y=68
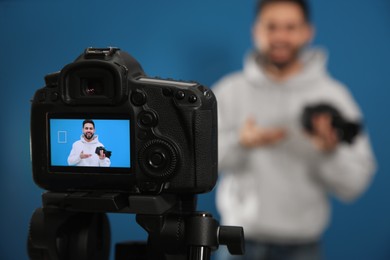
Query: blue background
x=194 y=40
x=113 y=134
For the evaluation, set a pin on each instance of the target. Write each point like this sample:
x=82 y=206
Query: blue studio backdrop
x=194 y=40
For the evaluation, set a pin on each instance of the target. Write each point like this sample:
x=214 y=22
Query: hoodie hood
x=95 y=139
x=314 y=67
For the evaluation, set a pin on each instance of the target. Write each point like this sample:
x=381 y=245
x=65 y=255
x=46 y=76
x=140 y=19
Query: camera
x=105 y=152
x=346 y=130
x=163 y=131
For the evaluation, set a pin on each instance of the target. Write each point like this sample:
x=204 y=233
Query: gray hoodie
x=279 y=193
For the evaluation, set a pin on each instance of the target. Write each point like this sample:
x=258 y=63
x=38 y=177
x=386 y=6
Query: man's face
x=280 y=32
x=88 y=131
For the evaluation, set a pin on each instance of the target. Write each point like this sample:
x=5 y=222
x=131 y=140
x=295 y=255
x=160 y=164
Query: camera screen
x=95 y=145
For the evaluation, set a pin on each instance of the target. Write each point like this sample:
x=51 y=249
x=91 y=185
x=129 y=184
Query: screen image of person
x=83 y=151
x=276 y=177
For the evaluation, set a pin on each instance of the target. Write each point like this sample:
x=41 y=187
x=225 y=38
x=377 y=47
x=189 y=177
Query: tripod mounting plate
x=109 y=202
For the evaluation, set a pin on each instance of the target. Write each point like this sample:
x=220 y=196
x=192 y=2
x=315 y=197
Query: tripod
x=75 y=226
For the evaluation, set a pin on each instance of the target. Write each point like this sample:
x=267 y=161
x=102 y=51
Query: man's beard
x=268 y=58
x=88 y=136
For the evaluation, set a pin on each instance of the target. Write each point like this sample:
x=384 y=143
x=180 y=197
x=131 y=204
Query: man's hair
x=88 y=121
x=303 y=4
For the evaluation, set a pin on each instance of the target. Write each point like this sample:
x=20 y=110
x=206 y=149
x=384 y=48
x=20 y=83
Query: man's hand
x=252 y=135
x=324 y=136
x=102 y=155
x=84 y=155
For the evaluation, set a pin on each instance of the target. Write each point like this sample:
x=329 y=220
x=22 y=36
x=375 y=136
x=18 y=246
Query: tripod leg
x=57 y=234
x=89 y=238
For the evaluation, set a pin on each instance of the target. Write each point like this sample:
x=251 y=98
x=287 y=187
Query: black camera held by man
x=105 y=152
x=164 y=134
x=346 y=130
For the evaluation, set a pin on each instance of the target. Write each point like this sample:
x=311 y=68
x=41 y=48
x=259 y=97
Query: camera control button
x=192 y=99
x=148 y=119
x=138 y=98
x=167 y=92
x=180 y=95
x=54 y=96
x=157 y=160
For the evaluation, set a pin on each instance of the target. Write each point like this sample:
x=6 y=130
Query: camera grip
x=205 y=147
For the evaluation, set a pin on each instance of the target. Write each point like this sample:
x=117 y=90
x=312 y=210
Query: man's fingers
x=322 y=124
x=250 y=123
x=271 y=136
x=253 y=135
x=331 y=138
x=248 y=133
x=324 y=135
x=85 y=155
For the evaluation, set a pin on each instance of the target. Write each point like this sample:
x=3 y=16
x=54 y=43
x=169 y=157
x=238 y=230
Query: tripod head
x=75 y=226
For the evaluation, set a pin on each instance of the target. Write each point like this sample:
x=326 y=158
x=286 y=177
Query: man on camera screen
x=86 y=152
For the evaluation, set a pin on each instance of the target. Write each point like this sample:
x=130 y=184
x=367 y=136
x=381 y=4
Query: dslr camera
x=163 y=132
x=346 y=130
x=105 y=152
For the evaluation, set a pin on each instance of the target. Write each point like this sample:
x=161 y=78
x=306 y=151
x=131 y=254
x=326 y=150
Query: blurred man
x=276 y=176
x=83 y=150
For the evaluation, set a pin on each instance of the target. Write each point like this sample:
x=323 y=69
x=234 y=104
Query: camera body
x=105 y=152
x=165 y=131
x=346 y=130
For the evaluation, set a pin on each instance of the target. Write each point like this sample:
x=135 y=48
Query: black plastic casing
x=175 y=120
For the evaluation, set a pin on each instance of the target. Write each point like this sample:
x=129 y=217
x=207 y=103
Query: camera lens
x=92 y=86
